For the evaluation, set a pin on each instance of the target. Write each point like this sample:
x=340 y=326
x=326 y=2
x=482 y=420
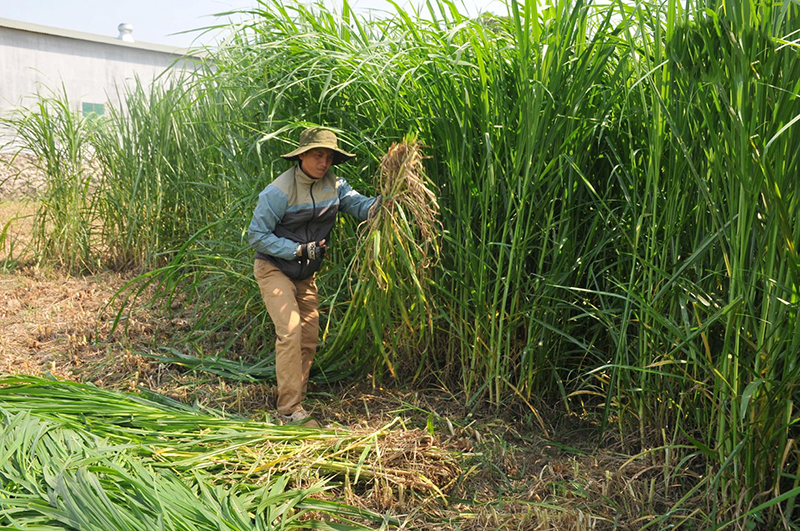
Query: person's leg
x=309 y=315
x=279 y=294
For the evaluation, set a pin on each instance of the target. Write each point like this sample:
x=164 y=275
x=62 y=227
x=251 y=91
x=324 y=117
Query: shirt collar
x=301 y=177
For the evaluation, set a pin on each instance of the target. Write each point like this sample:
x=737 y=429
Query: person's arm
x=353 y=203
x=267 y=215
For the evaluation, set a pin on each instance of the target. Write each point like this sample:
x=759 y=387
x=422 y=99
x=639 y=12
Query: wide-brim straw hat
x=317 y=137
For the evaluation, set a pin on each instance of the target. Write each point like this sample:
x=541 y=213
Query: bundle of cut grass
x=398 y=246
x=409 y=213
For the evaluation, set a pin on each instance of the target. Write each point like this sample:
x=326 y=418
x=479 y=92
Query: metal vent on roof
x=125 y=32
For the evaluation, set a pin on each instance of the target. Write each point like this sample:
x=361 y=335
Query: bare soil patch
x=61 y=325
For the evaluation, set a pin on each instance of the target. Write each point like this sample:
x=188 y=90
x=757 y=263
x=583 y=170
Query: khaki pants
x=292 y=305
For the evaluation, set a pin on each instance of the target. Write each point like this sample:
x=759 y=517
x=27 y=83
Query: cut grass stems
x=75 y=456
x=172 y=435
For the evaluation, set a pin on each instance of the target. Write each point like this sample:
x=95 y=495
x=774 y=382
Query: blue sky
x=158 y=21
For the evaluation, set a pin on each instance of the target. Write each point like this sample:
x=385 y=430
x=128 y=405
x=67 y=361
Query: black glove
x=313 y=250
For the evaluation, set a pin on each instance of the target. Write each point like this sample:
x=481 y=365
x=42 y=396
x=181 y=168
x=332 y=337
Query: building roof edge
x=82 y=36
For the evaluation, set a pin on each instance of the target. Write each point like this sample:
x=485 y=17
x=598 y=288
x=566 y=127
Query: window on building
x=92 y=108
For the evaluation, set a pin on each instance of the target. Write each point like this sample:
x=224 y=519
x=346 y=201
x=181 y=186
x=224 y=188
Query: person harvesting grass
x=289 y=232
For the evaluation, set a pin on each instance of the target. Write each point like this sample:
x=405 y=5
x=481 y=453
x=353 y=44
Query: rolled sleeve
x=269 y=211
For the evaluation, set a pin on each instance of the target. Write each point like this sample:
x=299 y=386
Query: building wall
x=90 y=68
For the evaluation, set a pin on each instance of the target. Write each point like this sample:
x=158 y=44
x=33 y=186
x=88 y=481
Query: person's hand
x=381 y=203
x=314 y=250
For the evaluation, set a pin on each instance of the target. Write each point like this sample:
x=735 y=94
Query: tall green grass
x=65 y=227
x=714 y=272
x=619 y=212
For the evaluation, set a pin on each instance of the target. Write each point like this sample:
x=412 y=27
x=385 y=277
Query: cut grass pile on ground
x=74 y=456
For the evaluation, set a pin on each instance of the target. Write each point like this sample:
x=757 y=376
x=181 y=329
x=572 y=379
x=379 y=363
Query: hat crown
x=318 y=136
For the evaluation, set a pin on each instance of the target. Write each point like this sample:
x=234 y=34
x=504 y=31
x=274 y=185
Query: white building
x=89 y=67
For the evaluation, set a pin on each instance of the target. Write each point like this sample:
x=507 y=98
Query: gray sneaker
x=297 y=416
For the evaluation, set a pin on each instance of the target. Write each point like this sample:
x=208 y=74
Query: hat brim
x=339 y=156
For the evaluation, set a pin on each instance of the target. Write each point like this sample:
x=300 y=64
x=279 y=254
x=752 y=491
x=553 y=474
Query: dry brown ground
x=513 y=475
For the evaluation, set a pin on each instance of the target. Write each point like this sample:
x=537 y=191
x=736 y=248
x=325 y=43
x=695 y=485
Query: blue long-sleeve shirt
x=296 y=209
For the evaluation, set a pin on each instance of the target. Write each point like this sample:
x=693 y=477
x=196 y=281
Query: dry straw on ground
x=394 y=463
